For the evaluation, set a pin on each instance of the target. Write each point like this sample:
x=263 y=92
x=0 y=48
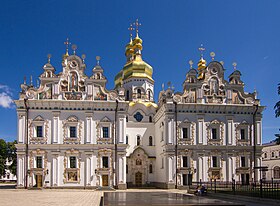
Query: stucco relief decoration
x=246 y=126
x=72 y=175
x=220 y=127
x=72 y=121
x=105 y=122
x=214 y=89
x=38 y=121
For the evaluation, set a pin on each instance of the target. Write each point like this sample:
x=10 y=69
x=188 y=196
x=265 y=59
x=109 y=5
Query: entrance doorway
x=39 y=181
x=105 y=180
x=138 y=179
x=187 y=179
x=245 y=179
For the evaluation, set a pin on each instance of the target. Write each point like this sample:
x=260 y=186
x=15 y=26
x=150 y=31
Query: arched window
x=126 y=140
x=149 y=95
x=138 y=140
x=272 y=154
x=139 y=93
x=150 y=141
x=276 y=172
x=127 y=95
x=150 y=119
x=151 y=168
x=265 y=155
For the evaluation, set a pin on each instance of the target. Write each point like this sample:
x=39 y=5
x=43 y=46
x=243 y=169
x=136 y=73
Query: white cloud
x=6 y=100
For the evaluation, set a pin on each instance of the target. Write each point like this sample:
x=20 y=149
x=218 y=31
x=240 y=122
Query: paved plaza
x=9 y=196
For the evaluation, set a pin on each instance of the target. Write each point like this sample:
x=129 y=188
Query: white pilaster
x=200 y=130
x=229 y=131
x=55 y=171
x=55 y=127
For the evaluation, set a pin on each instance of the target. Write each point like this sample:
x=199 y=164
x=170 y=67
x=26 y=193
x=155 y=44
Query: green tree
x=277 y=114
x=3 y=156
x=12 y=156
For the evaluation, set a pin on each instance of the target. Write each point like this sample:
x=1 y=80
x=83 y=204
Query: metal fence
x=263 y=188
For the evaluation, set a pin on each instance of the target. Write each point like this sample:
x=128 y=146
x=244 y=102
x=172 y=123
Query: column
x=121 y=129
x=88 y=127
x=20 y=170
x=88 y=169
x=55 y=170
x=170 y=131
x=55 y=127
x=122 y=171
x=21 y=127
x=200 y=130
x=259 y=131
x=229 y=131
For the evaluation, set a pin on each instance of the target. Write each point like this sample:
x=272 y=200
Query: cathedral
x=75 y=133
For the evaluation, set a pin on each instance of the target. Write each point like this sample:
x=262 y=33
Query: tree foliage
x=3 y=156
x=277 y=114
x=8 y=152
x=277 y=105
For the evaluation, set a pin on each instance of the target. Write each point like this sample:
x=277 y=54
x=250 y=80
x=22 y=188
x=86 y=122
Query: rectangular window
x=185 y=133
x=214 y=133
x=73 y=162
x=242 y=134
x=214 y=161
x=105 y=162
x=243 y=162
x=39 y=131
x=73 y=132
x=105 y=132
x=185 y=161
x=39 y=162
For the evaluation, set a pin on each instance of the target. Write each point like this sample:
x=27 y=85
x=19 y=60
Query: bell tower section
x=135 y=79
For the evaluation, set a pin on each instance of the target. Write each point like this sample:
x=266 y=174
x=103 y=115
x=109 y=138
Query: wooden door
x=105 y=180
x=39 y=181
x=138 y=179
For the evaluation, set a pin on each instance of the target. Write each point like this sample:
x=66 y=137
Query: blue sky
x=242 y=31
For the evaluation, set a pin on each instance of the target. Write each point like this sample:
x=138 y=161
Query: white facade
x=73 y=132
x=271 y=160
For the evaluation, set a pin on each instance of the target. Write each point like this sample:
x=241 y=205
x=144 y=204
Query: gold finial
x=137 y=24
x=31 y=81
x=201 y=49
x=74 y=48
x=191 y=63
x=234 y=64
x=131 y=29
x=212 y=54
x=83 y=57
x=98 y=59
x=169 y=84
x=49 y=58
x=67 y=43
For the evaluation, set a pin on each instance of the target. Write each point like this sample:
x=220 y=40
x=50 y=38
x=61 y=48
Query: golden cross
x=131 y=29
x=137 y=24
x=201 y=49
x=67 y=43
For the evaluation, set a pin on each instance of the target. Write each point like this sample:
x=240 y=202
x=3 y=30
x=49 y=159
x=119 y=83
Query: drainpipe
x=26 y=135
x=116 y=145
x=255 y=141
x=176 y=146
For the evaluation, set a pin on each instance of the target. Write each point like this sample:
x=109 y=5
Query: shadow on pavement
x=7 y=186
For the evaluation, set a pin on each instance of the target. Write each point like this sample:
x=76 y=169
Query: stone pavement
x=53 y=197
x=69 y=197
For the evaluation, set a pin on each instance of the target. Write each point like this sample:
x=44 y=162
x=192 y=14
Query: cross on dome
x=67 y=43
x=137 y=24
x=201 y=49
x=131 y=28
